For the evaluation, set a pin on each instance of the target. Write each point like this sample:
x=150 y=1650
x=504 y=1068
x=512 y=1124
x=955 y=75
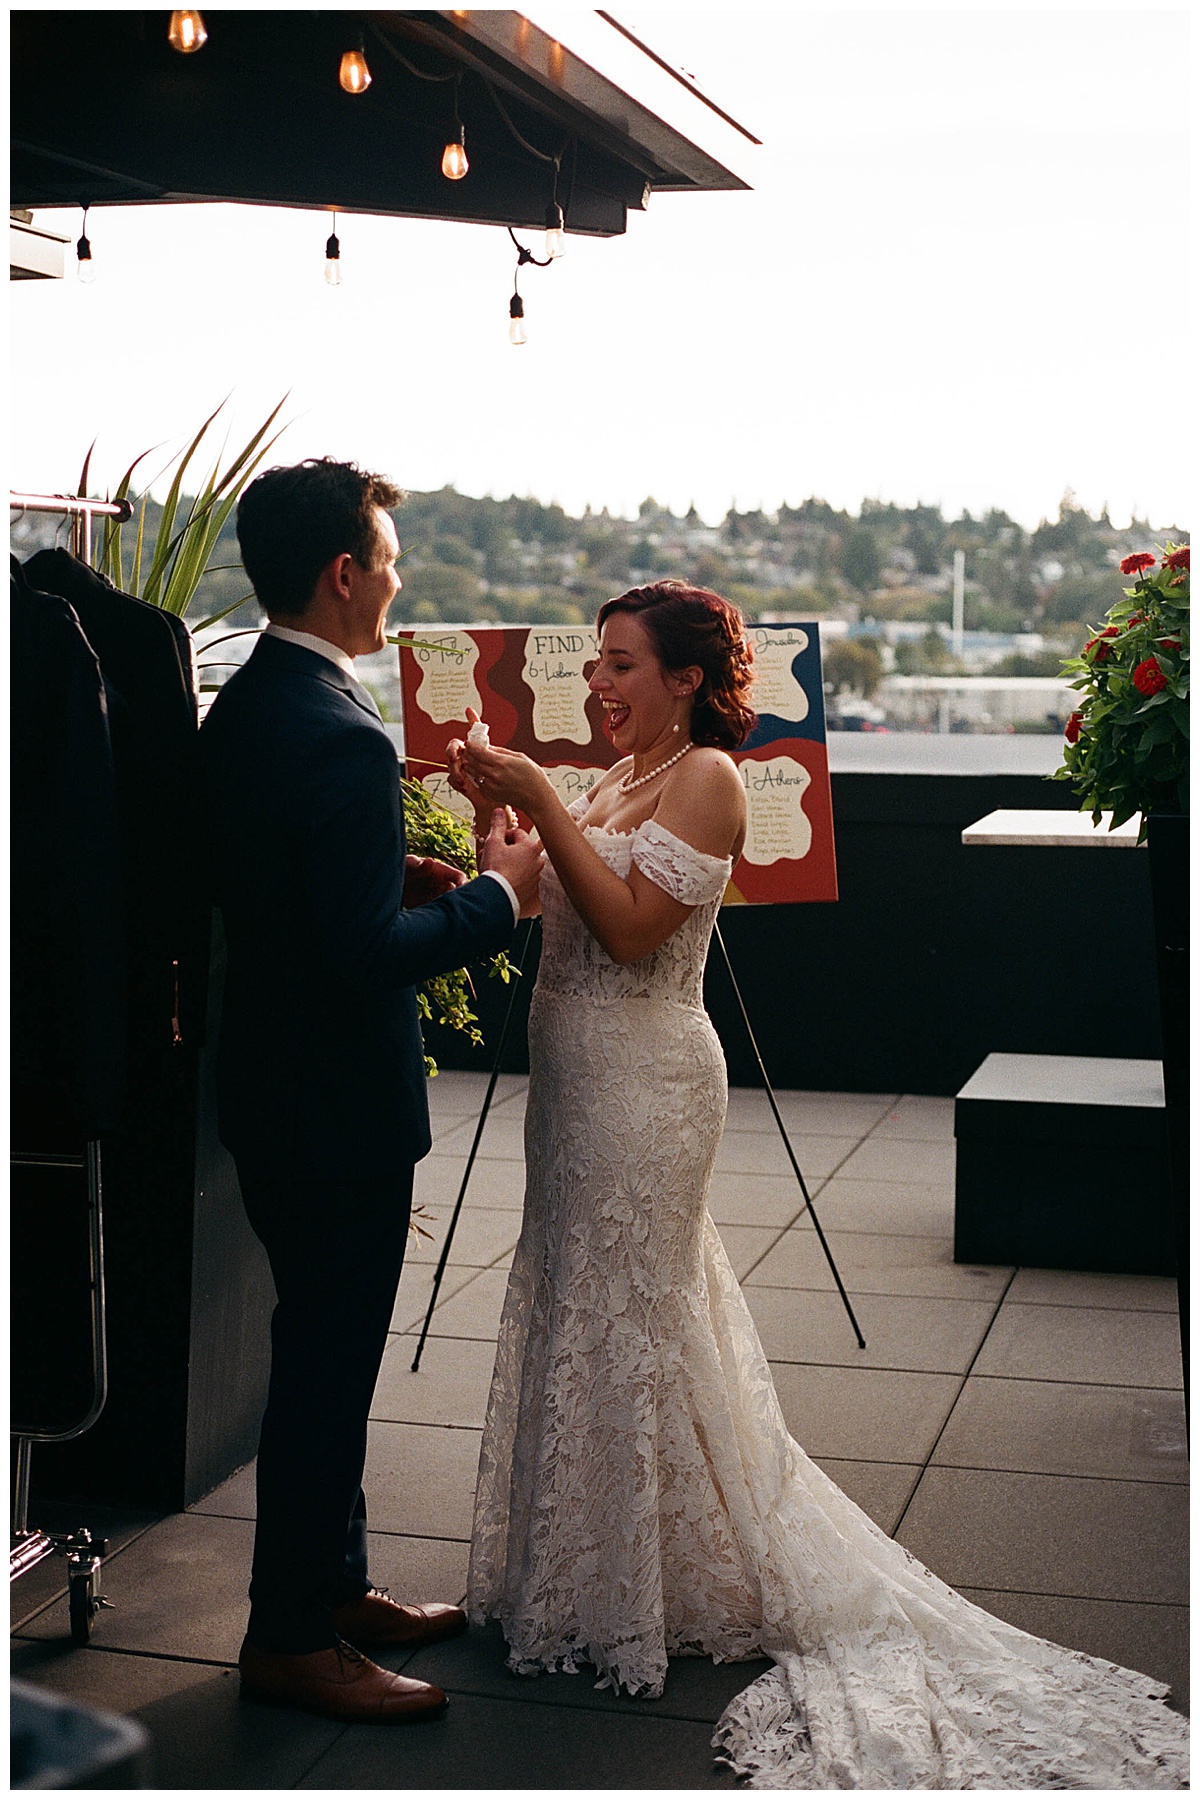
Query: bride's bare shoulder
x=705 y=802
x=709 y=771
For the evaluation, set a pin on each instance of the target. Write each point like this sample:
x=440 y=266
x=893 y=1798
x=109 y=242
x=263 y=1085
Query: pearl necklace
x=627 y=784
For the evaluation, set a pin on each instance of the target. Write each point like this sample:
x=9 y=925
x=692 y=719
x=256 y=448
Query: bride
x=639 y=1494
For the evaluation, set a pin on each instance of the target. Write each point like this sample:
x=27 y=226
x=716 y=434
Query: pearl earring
x=675 y=727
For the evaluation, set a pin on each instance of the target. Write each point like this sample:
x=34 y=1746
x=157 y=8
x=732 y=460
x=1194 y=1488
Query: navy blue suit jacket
x=320 y=1068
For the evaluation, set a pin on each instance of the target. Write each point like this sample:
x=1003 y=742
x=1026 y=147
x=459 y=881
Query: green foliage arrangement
x=433 y=831
x=1127 y=744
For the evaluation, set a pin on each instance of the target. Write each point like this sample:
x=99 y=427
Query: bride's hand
x=506 y=777
x=461 y=782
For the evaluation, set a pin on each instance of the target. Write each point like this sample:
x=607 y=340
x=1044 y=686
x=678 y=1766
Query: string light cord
x=554 y=158
x=526 y=256
x=421 y=74
x=456 y=75
x=555 y=218
x=542 y=155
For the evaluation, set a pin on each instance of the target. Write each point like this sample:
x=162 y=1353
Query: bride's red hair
x=692 y=627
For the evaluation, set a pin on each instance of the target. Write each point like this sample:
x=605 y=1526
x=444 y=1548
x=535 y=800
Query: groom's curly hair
x=291 y=522
x=693 y=627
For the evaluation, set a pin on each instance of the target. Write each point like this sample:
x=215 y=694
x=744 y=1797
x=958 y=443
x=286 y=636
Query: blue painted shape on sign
x=806 y=670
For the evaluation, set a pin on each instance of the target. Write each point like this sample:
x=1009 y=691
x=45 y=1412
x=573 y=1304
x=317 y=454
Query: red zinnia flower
x=1072 y=731
x=1101 y=649
x=1170 y=643
x=1148 y=678
x=1133 y=565
x=1179 y=559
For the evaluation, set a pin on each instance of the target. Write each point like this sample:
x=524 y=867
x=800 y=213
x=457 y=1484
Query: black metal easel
x=862 y=1342
x=487 y=1101
x=444 y=1258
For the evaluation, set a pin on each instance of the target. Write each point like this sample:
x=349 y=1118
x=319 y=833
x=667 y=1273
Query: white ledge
x=1059 y=830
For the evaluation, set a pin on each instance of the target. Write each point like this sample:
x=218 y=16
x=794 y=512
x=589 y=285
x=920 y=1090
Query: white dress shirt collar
x=321 y=646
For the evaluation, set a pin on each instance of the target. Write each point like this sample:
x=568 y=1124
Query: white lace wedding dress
x=639 y=1493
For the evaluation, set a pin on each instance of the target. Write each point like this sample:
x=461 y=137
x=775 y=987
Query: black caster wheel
x=81 y=1606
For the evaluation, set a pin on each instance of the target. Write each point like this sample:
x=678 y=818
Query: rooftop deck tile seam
x=814 y=1193
x=770 y=1129
x=202 y=1512
x=1092 y=1306
x=950 y=1413
x=630 y=1705
x=1135 y=1387
x=797 y=1362
x=318 y=1756
x=781 y=1287
x=879 y=1462
x=431 y=1424
x=426 y=1537
x=1057 y=1474
x=977 y=1587
x=167 y=1656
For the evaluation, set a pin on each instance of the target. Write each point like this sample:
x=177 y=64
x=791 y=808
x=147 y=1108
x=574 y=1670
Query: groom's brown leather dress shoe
x=377 y=1623
x=340 y=1683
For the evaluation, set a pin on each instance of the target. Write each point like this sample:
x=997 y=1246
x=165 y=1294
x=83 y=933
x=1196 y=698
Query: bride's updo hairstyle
x=691 y=627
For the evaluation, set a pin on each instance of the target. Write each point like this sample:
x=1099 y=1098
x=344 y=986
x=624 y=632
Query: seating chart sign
x=529 y=682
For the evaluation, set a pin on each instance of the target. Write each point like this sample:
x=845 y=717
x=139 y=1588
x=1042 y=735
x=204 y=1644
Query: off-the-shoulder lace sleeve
x=580 y=805
x=688 y=875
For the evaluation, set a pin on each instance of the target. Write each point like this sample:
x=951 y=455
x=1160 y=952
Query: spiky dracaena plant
x=189 y=528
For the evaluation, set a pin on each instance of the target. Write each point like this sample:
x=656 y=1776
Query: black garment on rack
x=68 y=928
x=147 y=659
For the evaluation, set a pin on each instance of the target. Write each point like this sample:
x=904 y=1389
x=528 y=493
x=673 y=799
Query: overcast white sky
x=960 y=279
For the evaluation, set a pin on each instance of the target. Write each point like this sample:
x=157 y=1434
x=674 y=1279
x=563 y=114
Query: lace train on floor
x=639 y=1493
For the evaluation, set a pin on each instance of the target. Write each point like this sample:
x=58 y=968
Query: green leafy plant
x=434 y=831
x=168 y=574
x=1127 y=744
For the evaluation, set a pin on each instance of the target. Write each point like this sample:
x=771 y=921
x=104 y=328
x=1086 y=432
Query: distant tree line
x=515 y=560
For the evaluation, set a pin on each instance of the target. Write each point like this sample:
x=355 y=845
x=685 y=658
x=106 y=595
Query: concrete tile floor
x=1019 y=1430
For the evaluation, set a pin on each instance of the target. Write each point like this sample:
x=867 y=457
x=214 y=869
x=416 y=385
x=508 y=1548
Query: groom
x=320 y=1073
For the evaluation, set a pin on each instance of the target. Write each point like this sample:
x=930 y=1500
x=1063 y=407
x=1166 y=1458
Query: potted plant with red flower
x=1126 y=747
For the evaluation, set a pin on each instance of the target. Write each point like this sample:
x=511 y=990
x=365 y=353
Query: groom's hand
x=425 y=879
x=512 y=853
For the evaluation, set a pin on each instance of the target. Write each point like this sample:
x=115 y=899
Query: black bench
x=1061 y=1163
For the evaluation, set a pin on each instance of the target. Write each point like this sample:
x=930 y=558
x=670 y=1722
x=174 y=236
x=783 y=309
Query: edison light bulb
x=454 y=157
x=555 y=241
x=333 y=262
x=516 y=320
x=354 y=74
x=186 y=32
x=85 y=267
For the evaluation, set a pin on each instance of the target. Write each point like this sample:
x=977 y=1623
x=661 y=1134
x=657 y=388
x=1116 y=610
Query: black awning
x=105 y=112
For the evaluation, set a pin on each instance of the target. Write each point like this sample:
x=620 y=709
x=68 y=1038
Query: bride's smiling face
x=641 y=699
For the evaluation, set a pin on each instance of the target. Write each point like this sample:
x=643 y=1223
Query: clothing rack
x=29 y=1545
x=80 y=510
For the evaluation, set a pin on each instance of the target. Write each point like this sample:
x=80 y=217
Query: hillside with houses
x=879 y=581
